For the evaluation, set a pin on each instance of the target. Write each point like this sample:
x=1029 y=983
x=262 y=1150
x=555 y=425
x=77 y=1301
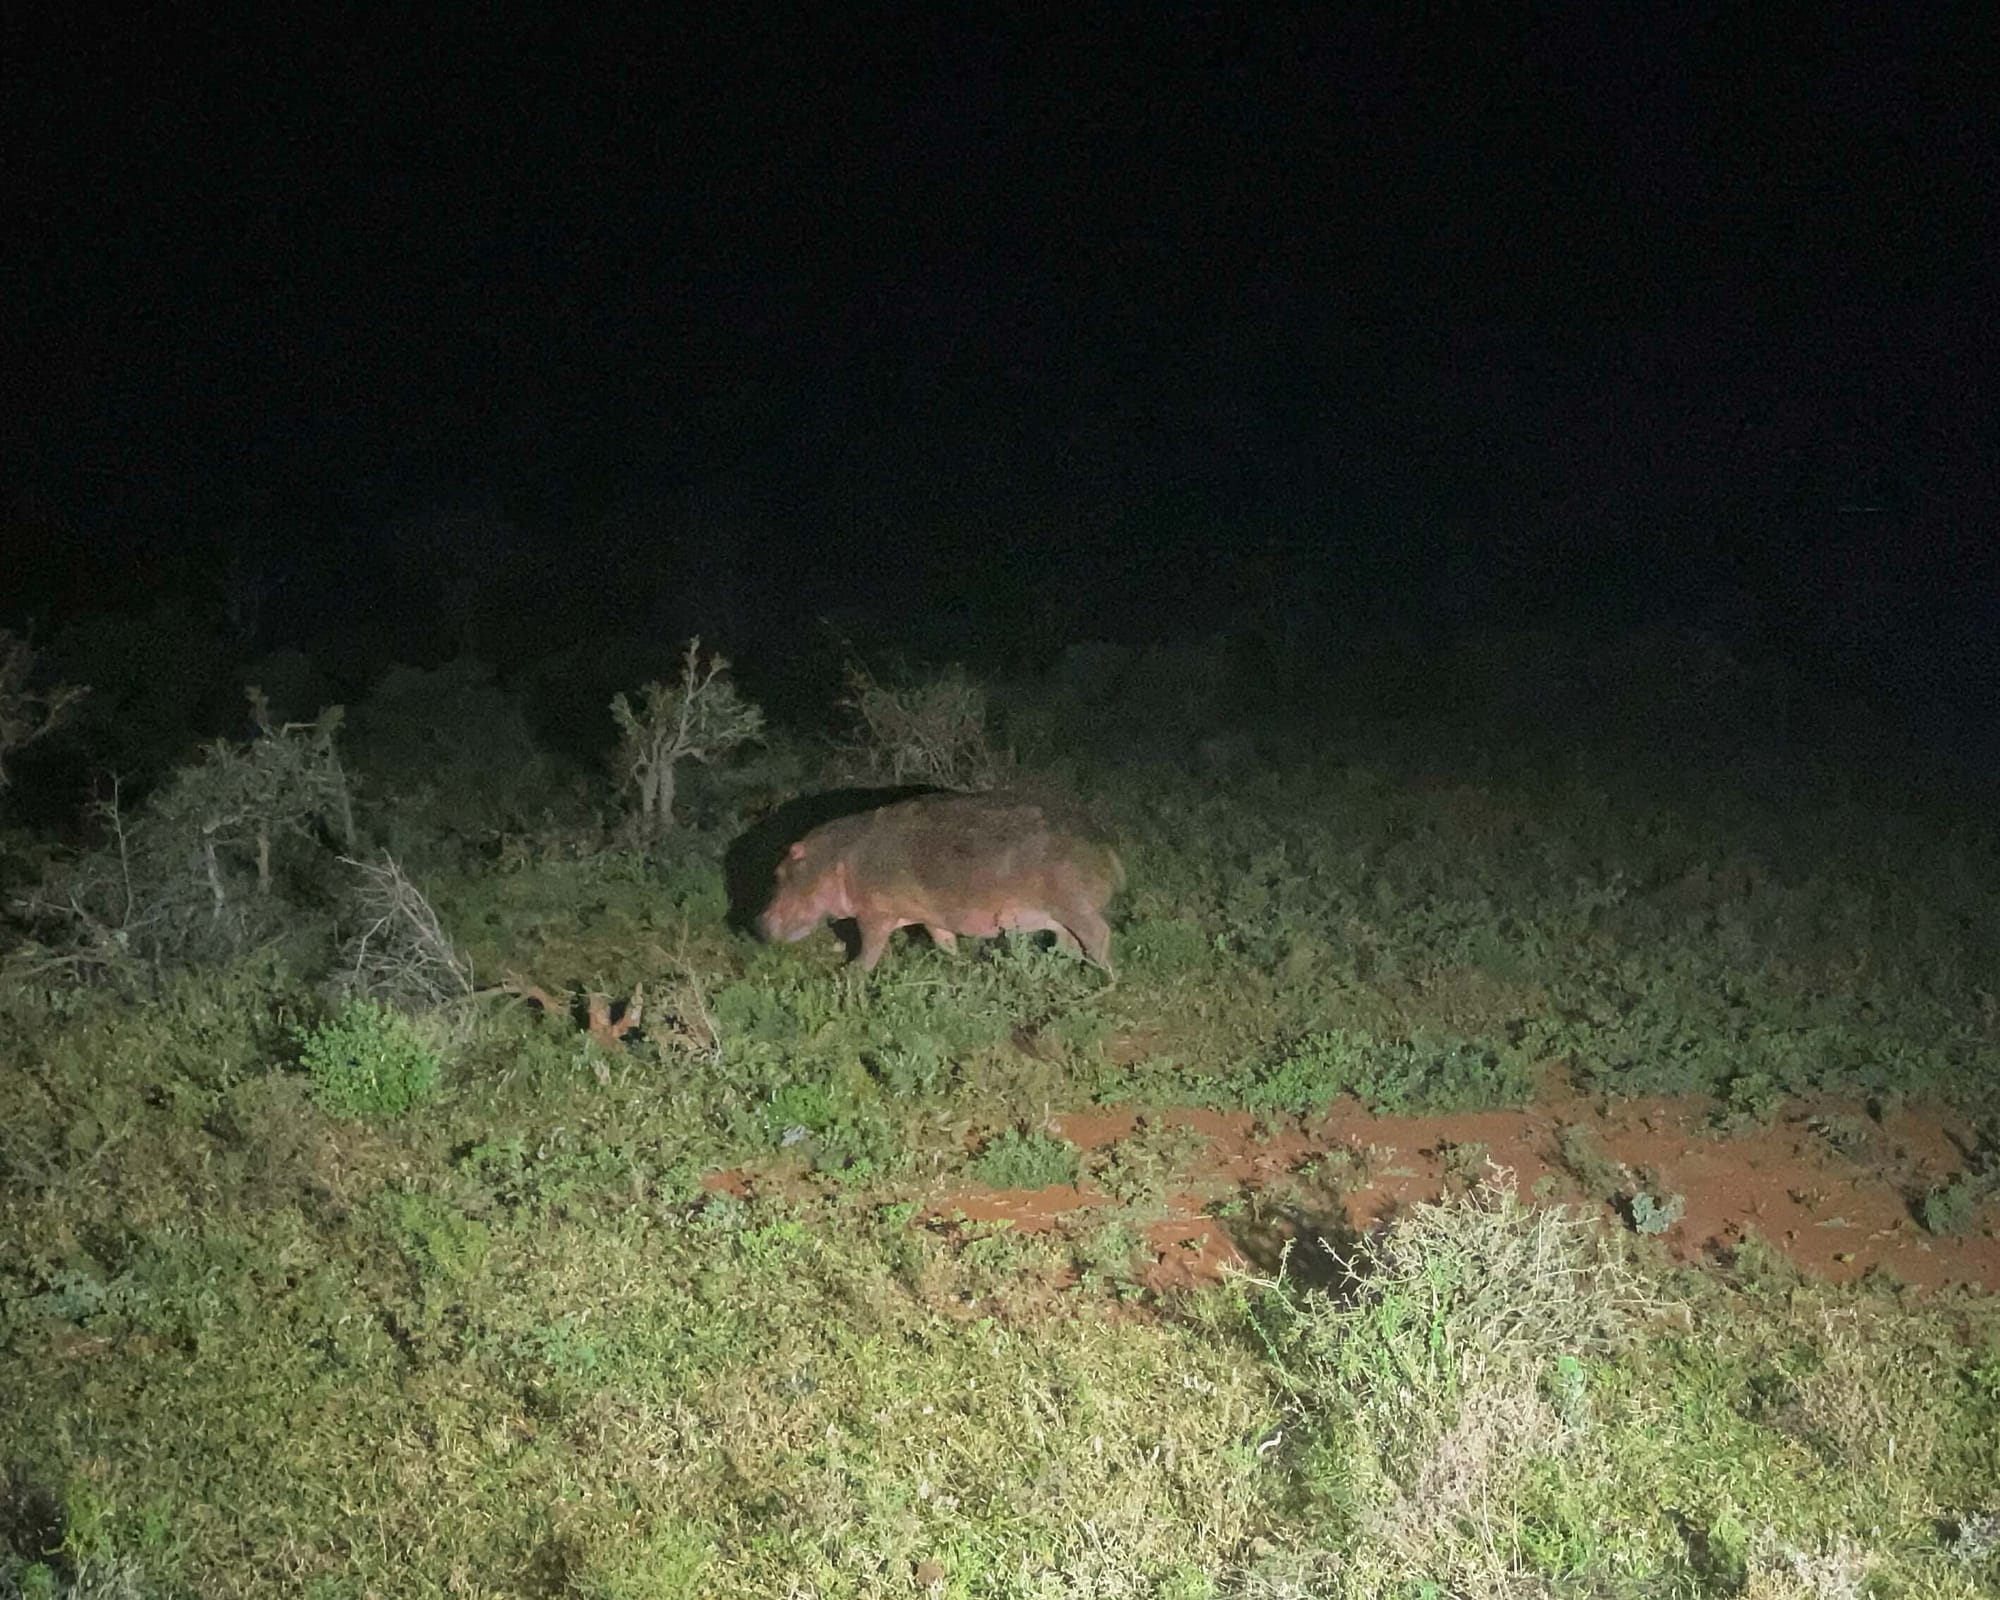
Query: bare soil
x=1830 y=1187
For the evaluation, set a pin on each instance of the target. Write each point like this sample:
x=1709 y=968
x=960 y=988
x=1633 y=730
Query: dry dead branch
x=591 y=1011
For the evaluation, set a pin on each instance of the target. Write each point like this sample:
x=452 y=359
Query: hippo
x=973 y=864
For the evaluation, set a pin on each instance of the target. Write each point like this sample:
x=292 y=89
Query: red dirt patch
x=1824 y=1184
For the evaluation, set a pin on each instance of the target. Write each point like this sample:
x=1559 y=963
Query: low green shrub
x=369 y=1062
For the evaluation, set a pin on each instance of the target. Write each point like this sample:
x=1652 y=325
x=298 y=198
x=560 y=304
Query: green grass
x=497 y=1335
x=1013 y=1160
x=576 y=1382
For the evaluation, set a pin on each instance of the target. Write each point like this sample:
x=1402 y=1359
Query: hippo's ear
x=797 y=851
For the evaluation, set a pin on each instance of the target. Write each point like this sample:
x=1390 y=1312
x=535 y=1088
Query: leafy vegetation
x=368 y=1061
x=1014 y=1160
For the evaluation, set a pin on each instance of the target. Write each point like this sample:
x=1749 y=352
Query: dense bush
x=368 y=1061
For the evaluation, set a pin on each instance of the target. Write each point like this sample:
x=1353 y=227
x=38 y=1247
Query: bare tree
x=192 y=876
x=701 y=717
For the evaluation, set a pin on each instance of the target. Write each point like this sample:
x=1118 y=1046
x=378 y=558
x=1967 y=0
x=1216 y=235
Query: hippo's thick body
x=973 y=864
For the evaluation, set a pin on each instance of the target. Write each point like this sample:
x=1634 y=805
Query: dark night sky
x=1593 y=288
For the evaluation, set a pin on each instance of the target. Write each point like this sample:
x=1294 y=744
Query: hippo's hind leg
x=1090 y=931
x=943 y=938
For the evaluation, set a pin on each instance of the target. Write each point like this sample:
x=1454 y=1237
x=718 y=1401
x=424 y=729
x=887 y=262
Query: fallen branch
x=596 y=1018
